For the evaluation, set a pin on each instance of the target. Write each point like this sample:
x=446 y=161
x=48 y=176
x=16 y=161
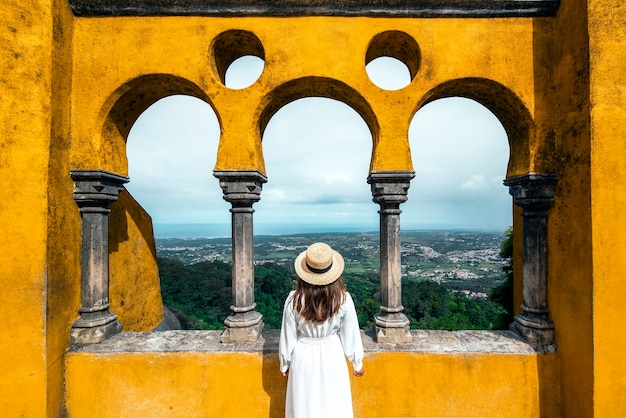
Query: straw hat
x=319 y=264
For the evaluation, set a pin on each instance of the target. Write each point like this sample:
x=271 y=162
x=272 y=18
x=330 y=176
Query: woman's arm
x=351 y=336
x=288 y=336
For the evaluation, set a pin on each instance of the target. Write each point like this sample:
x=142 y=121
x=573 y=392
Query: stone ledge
x=382 y=8
x=424 y=341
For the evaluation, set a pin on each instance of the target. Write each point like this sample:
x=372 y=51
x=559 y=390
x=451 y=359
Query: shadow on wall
x=134 y=285
x=274 y=384
x=127 y=207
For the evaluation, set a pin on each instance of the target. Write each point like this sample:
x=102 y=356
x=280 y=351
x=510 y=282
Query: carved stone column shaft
x=94 y=191
x=390 y=267
x=243 y=259
x=534 y=193
x=242 y=189
x=389 y=190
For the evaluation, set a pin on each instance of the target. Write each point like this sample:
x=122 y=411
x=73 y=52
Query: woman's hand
x=285 y=373
x=359 y=373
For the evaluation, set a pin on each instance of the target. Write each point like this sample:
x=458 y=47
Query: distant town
x=464 y=262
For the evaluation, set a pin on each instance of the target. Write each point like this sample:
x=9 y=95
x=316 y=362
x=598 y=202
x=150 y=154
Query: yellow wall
x=135 y=289
x=25 y=114
x=240 y=384
x=123 y=60
x=563 y=138
x=606 y=23
x=63 y=235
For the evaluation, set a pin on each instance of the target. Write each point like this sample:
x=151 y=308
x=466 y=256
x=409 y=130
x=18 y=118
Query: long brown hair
x=319 y=303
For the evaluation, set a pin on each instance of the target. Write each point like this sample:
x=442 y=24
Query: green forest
x=202 y=291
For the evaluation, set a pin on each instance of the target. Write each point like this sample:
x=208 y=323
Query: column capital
x=96 y=187
x=533 y=191
x=390 y=187
x=241 y=186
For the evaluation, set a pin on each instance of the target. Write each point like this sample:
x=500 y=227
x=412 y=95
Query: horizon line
x=223 y=230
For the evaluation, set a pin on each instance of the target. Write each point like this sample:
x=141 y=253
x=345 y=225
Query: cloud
x=475 y=182
x=317 y=152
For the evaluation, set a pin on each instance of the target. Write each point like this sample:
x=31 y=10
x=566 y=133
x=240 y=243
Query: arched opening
x=128 y=102
x=171 y=151
x=320 y=87
x=317 y=152
x=455 y=217
x=460 y=153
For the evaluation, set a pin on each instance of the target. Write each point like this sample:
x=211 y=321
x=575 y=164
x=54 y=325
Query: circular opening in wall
x=239 y=58
x=388 y=73
x=392 y=60
x=243 y=72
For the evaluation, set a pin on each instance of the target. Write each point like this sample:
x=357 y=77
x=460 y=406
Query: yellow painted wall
x=25 y=115
x=63 y=234
x=607 y=40
x=562 y=147
x=135 y=289
x=128 y=56
x=237 y=384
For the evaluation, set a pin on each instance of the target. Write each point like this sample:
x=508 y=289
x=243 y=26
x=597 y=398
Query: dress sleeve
x=350 y=335
x=288 y=335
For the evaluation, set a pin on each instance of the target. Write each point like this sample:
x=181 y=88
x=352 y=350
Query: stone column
x=94 y=191
x=534 y=193
x=389 y=190
x=242 y=189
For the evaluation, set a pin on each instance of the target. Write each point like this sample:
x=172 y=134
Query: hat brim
x=319 y=279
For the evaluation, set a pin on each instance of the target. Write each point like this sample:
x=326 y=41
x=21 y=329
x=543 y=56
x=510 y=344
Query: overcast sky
x=317 y=153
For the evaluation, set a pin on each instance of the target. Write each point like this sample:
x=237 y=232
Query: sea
x=224 y=230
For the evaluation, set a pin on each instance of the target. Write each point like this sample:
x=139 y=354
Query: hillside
x=447 y=276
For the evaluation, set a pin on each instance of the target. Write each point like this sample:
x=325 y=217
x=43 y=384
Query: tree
x=272 y=285
x=503 y=294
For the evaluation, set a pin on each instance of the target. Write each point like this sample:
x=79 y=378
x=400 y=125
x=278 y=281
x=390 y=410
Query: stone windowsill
x=424 y=341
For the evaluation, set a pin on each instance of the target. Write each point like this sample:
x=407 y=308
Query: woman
x=319 y=330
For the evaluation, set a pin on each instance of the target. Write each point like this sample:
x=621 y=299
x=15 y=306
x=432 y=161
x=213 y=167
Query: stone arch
x=128 y=102
x=505 y=105
x=316 y=87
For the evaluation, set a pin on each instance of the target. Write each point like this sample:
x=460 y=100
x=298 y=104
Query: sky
x=317 y=153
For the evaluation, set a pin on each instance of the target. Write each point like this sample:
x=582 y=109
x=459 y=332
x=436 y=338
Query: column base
x=392 y=328
x=243 y=328
x=83 y=333
x=537 y=332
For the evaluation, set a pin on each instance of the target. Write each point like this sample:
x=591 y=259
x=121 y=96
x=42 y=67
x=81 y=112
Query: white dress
x=315 y=354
